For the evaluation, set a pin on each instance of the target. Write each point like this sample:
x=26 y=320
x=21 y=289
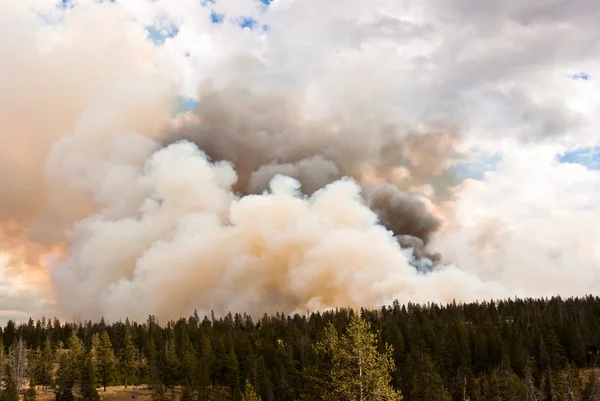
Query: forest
x=521 y=349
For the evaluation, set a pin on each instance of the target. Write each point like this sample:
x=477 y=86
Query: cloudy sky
x=518 y=79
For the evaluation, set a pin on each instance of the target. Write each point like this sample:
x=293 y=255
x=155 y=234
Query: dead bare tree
x=17 y=357
x=532 y=393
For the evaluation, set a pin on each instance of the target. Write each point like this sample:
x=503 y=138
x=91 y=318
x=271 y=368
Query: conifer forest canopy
x=541 y=349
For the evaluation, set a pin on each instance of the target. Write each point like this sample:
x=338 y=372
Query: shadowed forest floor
x=113 y=393
x=120 y=393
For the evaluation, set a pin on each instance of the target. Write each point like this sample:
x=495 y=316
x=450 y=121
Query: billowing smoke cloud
x=302 y=180
x=314 y=173
x=265 y=133
x=46 y=86
x=190 y=242
x=102 y=183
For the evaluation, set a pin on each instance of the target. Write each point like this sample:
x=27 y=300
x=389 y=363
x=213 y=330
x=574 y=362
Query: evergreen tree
x=205 y=365
x=249 y=394
x=264 y=384
x=34 y=365
x=65 y=379
x=11 y=392
x=127 y=356
x=188 y=360
x=88 y=382
x=231 y=370
x=427 y=384
x=77 y=355
x=504 y=384
x=359 y=371
x=169 y=364
x=152 y=359
x=105 y=357
x=44 y=376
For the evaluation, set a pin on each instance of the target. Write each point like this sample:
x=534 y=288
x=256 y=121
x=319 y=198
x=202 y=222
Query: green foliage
x=249 y=393
x=503 y=384
x=355 y=369
x=10 y=391
x=525 y=349
x=104 y=356
x=88 y=382
x=44 y=374
x=427 y=384
x=127 y=356
x=65 y=379
x=169 y=365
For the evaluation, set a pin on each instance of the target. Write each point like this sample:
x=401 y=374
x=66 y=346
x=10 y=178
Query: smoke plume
x=190 y=242
x=265 y=133
x=257 y=201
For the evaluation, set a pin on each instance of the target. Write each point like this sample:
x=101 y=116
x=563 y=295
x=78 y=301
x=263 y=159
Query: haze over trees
x=539 y=350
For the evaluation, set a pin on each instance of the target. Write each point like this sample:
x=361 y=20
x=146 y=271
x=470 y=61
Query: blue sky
x=158 y=34
x=580 y=76
x=478 y=168
x=589 y=157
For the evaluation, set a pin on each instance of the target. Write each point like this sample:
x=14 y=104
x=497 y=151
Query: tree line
x=522 y=349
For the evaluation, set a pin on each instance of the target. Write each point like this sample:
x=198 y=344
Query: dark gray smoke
x=265 y=134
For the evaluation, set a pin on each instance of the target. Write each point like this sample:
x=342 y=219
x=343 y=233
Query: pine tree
x=231 y=370
x=46 y=365
x=249 y=394
x=169 y=364
x=65 y=380
x=34 y=363
x=11 y=392
x=105 y=357
x=264 y=384
x=152 y=359
x=127 y=359
x=205 y=366
x=427 y=384
x=88 y=382
x=503 y=384
x=358 y=372
x=77 y=355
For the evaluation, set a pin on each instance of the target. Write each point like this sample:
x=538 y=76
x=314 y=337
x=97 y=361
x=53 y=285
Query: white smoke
x=189 y=242
x=138 y=225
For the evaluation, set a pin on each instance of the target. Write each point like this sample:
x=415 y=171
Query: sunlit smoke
x=300 y=181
